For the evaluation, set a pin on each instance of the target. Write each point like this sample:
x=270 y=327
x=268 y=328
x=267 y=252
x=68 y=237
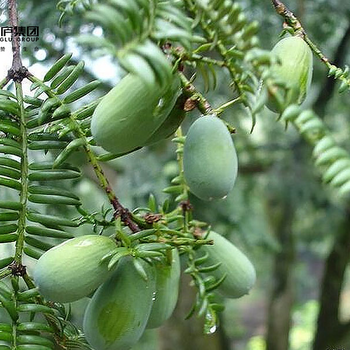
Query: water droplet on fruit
x=212 y=329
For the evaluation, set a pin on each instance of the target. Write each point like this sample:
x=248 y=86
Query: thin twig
x=288 y=15
x=292 y=21
x=192 y=93
x=295 y=24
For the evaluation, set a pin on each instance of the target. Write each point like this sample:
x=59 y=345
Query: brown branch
x=288 y=15
x=295 y=24
x=16 y=44
x=17 y=72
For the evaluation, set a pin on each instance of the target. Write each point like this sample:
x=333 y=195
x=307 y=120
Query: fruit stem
x=186 y=208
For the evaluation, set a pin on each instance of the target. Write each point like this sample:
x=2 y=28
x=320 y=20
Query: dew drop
x=212 y=329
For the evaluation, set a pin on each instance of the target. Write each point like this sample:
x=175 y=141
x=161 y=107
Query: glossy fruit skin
x=130 y=113
x=72 y=270
x=294 y=69
x=210 y=159
x=169 y=125
x=241 y=275
x=167 y=290
x=117 y=314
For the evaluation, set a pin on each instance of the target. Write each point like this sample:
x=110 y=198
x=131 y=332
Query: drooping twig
x=292 y=21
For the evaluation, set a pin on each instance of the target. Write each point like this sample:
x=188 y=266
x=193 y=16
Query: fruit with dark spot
x=117 y=314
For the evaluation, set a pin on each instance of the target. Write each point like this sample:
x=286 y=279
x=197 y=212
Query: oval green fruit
x=117 y=314
x=128 y=115
x=73 y=269
x=210 y=159
x=294 y=71
x=239 y=271
x=167 y=290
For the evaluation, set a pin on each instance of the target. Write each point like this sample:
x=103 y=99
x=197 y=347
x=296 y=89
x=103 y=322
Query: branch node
x=17 y=75
x=17 y=269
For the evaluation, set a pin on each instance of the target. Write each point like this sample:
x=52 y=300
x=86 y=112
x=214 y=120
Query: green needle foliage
x=154 y=39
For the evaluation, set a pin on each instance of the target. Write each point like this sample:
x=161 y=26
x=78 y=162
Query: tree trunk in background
x=281 y=214
x=330 y=331
x=180 y=334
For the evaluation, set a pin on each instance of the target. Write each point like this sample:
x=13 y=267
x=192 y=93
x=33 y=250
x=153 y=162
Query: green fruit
x=240 y=272
x=73 y=269
x=293 y=71
x=210 y=159
x=118 y=312
x=170 y=124
x=167 y=290
x=128 y=115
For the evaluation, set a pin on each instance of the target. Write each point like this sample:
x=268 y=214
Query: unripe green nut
x=210 y=159
x=167 y=290
x=73 y=269
x=131 y=112
x=117 y=314
x=293 y=70
x=239 y=271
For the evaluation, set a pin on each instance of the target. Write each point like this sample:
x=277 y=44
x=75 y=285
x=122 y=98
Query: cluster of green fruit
x=135 y=114
x=124 y=301
x=140 y=293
